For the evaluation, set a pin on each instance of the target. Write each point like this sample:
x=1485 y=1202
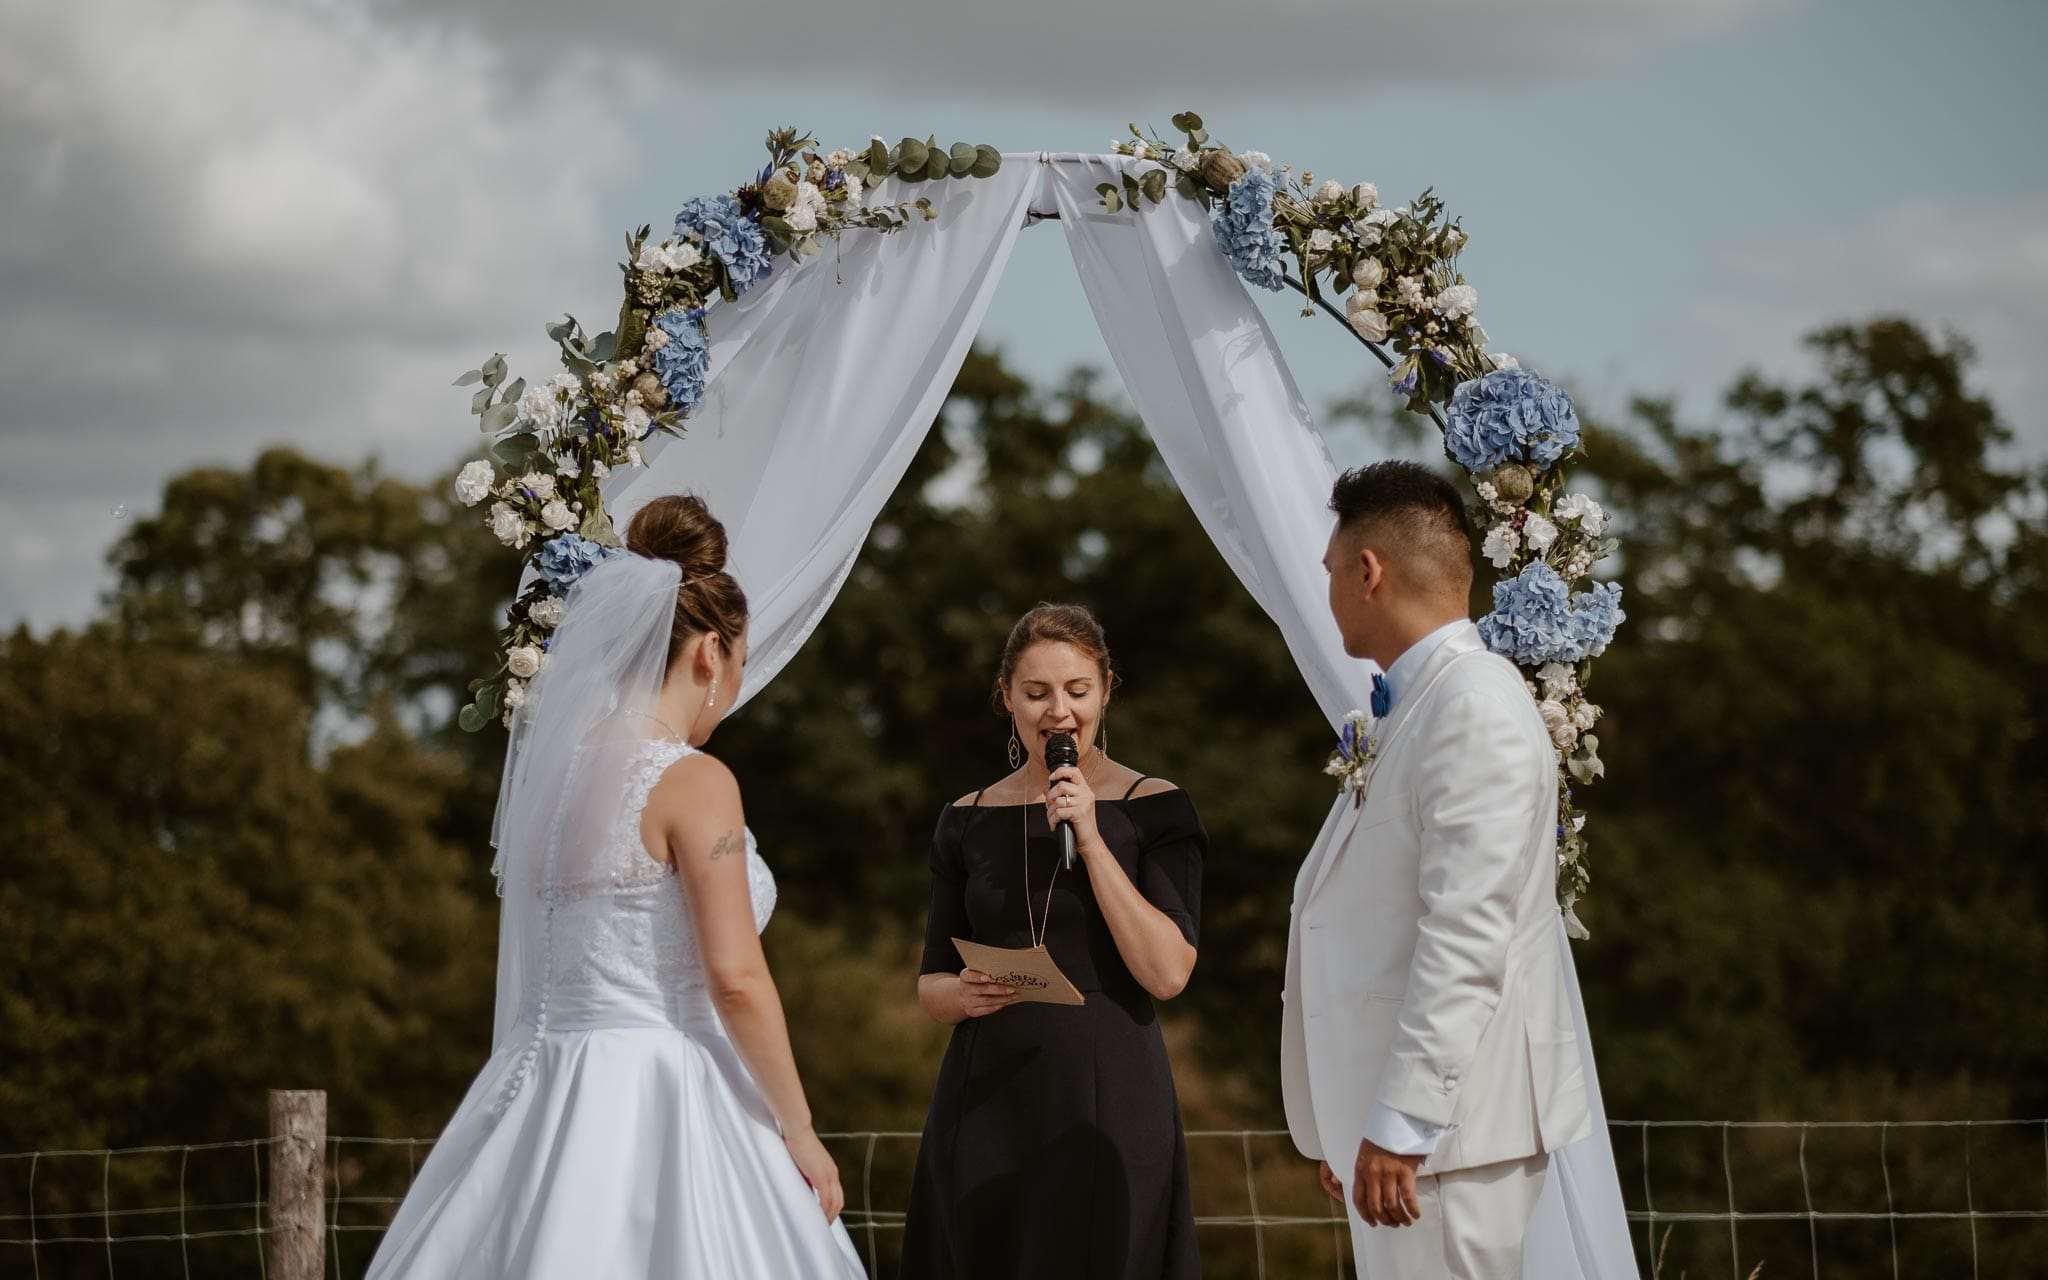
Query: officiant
x=1054 y=1145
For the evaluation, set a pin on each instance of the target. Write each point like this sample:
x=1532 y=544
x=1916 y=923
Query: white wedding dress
x=615 y=1132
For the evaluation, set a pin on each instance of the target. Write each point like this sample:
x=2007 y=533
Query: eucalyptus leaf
x=879 y=162
x=494 y=370
x=1154 y=184
x=597 y=527
x=963 y=158
x=514 y=451
x=481 y=400
x=1187 y=186
x=987 y=161
x=512 y=393
x=1187 y=122
x=499 y=416
x=470 y=379
x=911 y=157
x=1110 y=199
x=471 y=719
x=604 y=346
x=937 y=165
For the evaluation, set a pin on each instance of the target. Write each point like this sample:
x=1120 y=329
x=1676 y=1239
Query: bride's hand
x=1071 y=799
x=818 y=1168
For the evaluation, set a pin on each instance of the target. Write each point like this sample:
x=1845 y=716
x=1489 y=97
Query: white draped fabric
x=824 y=382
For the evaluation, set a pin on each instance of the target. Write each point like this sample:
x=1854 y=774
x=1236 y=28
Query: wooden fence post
x=298 y=1184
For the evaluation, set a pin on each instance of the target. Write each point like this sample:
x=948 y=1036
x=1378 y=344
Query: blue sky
x=1659 y=193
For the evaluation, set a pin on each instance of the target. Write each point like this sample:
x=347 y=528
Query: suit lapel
x=1460 y=642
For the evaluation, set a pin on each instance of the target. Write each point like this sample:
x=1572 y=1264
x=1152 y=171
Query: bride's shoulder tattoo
x=729 y=843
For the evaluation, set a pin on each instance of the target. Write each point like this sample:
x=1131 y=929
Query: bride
x=641 y=1113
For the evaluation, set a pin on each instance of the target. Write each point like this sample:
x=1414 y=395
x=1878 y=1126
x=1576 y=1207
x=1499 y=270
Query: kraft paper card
x=1030 y=970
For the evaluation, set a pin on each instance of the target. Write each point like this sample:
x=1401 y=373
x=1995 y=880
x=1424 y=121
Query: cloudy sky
x=225 y=223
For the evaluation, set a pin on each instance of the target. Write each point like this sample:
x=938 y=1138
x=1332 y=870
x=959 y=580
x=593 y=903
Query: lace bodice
x=629 y=928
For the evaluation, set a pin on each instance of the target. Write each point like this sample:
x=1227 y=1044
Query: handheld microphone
x=1060 y=753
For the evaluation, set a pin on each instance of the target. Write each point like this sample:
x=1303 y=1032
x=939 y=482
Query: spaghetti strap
x=978 y=795
x=1135 y=785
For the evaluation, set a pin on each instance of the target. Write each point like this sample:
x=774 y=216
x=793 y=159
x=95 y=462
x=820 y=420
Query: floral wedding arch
x=807 y=381
x=556 y=444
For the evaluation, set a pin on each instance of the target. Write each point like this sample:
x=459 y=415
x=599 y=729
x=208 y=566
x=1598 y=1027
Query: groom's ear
x=1372 y=568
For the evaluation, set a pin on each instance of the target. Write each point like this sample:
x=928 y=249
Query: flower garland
x=557 y=440
x=1511 y=431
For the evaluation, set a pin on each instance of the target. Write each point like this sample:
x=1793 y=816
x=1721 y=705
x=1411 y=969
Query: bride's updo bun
x=682 y=529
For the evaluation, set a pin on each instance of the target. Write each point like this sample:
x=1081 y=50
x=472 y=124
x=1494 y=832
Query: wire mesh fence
x=1705 y=1198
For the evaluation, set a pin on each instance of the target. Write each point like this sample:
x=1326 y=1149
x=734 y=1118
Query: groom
x=1428 y=1050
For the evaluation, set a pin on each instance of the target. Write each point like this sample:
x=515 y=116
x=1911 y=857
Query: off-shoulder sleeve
x=1170 y=859
x=947 y=917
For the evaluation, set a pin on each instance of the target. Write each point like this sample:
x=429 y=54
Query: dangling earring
x=1016 y=748
x=1102 y=736
x=713 y=699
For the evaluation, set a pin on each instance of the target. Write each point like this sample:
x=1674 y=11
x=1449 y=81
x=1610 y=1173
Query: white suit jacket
x=1422 y=953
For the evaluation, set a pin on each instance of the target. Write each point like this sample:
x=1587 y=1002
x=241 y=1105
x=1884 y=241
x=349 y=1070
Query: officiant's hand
x=1071 y=799
x=1384 y=1186
x=981 y=995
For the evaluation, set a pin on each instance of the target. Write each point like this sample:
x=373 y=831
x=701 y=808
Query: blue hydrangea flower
x=1536 y=619
x=1596 y=615
x=730 y=236
x=565 y=558
x=684 y=363
x=1243 y=224
x=1510 y=415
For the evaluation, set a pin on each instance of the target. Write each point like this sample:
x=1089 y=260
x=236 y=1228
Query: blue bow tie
x=1382 y=698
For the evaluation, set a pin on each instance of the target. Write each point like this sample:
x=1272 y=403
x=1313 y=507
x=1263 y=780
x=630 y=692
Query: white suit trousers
x=1471 y=1226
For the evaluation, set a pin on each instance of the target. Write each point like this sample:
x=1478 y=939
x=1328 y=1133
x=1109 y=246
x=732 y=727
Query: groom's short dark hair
x=1411 y=514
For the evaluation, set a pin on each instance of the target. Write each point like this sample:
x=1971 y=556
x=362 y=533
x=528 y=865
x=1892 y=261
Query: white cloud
x=225 y=223
x=1977 y=268
x=1058 y=52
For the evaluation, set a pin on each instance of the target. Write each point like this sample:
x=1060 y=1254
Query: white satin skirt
x=627 y=1151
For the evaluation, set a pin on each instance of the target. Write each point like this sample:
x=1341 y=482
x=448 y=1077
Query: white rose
x=1559 y=722
x=473 y=483
x=515 y=694
x=557 y=516
x=1584 y=715
x=1320 y=242
x=537 y=406
x=653 y=258
x=1502 y=360
x=1371 y=325
x=547 y=611
x=1257 y=160
x=1330 y=192
x=1579 y=507
x=636 y=420
x=1383 y=217
x=1559 y=680
x=1500 y=545
x=568 y=467
x=682 y=256
x=1185 y=160
x=510 y=528
x=523 y=661
x=1366 y=194
x=1368 y=273
x=1539 y=533
x=1458 y=301
x=541 y=486
x=801 y=219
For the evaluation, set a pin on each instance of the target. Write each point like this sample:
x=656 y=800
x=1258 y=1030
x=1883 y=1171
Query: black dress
x=1053 y=1149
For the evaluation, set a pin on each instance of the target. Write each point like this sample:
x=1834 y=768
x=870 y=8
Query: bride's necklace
x=646 y=715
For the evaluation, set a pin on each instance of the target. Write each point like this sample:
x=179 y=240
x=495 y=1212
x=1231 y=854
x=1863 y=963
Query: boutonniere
x=1352 y=761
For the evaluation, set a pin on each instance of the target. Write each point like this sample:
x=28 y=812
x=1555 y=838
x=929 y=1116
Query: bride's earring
x=1016 y=748
x=712 y=700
